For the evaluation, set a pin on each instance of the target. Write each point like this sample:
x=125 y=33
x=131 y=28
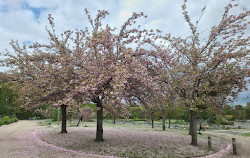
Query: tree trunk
x=99 y=129
x=163 y=120
x=190 y=124
x=64 y=119
x=193 y=127
x=58 y=116
x=152 y=119
x=80 y=119
x=169 y=121
x=169 y=115
x=114 y=119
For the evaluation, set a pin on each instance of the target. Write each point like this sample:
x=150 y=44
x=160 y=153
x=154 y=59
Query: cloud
x=25 y=20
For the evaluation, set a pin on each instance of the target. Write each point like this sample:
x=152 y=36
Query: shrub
x=15 y=119
x=6 y=118
x=220 y=120
x=1 y=122
x=229 y=117
x=6 y=122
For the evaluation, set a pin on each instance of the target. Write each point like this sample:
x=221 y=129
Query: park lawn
x=246 y=134
x=129 y=140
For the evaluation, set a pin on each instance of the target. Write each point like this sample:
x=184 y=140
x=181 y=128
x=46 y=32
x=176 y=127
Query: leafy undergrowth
x=7 y=120
x=125 y=141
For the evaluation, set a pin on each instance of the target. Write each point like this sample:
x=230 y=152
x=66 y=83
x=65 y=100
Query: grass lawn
x=135 y=139
x=246 y=134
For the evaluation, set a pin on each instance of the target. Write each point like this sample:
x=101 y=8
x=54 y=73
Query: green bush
x=221 y=120
x=6 y=117
x=7 y=120
x=1 y=122
x=15 y=119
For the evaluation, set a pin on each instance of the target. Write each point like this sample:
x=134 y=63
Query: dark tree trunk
x=169 y=116
x=80 y=119
x=64 y=119
x=114 y=119
x=58 y=116
x=152 y=119
x=99 y=129
x=190 y=124
x=169 y=121
x=163 y=120
x=193 y=127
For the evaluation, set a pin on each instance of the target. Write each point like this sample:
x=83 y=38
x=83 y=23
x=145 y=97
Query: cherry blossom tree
x=42 y=73
x=83 y=66
x=205 y=73
x=85 y=113
x=107 y=66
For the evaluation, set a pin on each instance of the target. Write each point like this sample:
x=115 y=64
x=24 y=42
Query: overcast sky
x=25 y=20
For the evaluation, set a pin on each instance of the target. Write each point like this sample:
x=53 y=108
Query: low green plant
x=15 y=119
x=6 y=117
x=7 y=120
x=1 y=122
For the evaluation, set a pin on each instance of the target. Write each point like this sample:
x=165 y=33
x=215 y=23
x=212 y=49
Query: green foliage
x=15 y=119
x=7 y=100
x=211 y=119
x=228 y=110
x=247 y=111
x=22 y=114
x=54 y=114
x=107 y=115
x=137 y=113
x=239 y=112
x=229 y=117
x=221 y=120
x=7 y=120
x=139 y=120
x=6 y=117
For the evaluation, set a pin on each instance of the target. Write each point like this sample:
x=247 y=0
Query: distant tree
x=239 y=112
x=85 y=113
x=247 y=111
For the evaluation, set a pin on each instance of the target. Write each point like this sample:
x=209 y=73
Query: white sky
x=25 y=20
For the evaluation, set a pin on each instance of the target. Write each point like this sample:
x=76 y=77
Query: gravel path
x=242 y=143
x=17 y=140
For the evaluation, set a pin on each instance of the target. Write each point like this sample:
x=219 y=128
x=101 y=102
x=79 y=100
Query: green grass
x=246 y=134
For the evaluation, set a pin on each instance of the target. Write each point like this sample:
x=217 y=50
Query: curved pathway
x=18 y=140
x=242 y=144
